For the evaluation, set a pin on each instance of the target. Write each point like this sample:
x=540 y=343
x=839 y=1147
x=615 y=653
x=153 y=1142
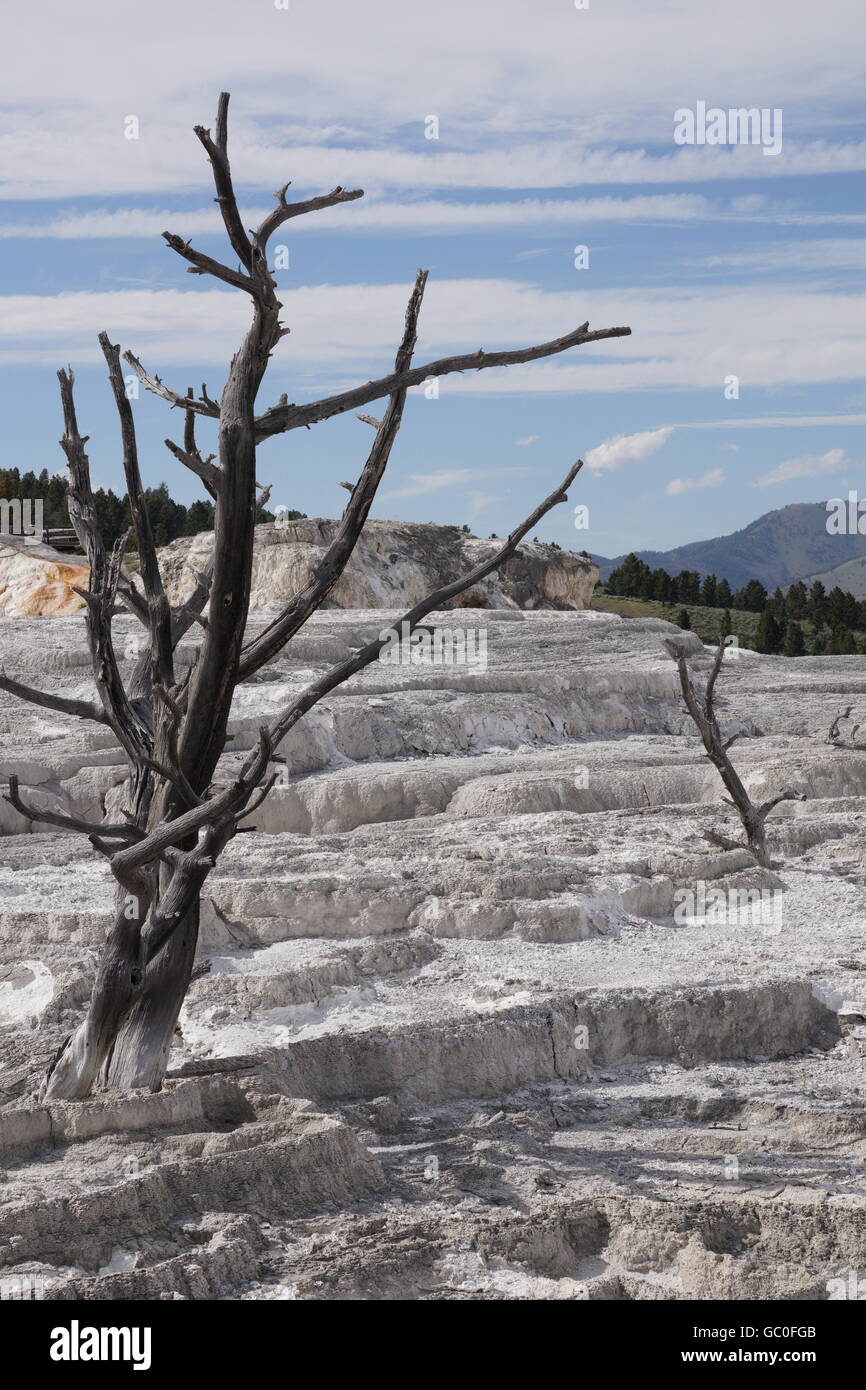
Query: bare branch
x=338 y=674
x=203 y=468
x=217 y=151
x=713 y=676
x=132 y=734
x=290 y=417
x=283 y=211
x=158 y=608
x=203 y=406
x=264 y=792
x=80 y=709
x=228 y=803
x=721 y=841
x=38 y=813
x=200 y=264
x=766 y=806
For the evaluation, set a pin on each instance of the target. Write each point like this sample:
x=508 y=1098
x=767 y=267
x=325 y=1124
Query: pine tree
x=689 y=586
x=795 y=643
x=724 y=597
x=817 y=605
x=796 y=600
x=842 y=642
x=752 y=597
x=662 y=586
x=768 y=638
x=683 y=619
x=778 y=607
x=709 y=591
x=842 y=608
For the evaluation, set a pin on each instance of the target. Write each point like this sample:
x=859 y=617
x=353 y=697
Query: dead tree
x=702 y=711
x=837 y=739
x=172 y=727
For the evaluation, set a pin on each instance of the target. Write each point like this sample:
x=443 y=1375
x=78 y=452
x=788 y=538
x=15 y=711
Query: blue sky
x=555 y=130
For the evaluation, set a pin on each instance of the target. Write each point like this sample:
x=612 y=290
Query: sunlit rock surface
x=35 y=580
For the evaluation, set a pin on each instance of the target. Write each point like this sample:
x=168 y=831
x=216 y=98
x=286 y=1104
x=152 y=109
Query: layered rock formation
x=394 y=565
x=450 y=1036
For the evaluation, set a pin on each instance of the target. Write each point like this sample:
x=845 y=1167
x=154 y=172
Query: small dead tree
x=172 y=727
x=837 y=739
x=702 y=711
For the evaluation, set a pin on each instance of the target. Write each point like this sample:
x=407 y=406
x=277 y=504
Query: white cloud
x=713 y=478
x=806 y=466
x=731 y=448
x=504 y=90
x=526 y=440
x=626 y=448
x=343 y=333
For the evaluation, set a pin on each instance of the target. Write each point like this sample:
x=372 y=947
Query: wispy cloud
x=422 y=484
x=772 y=422
x=806 y=466
x=376 y=216
x=713 y=478
x=526 y=440
x=814 y=255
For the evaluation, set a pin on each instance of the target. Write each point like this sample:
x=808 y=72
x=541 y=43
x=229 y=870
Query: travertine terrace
x=448 y=1037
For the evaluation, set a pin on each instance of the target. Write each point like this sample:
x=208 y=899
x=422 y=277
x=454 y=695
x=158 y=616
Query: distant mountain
x=851 y=577
x=779 y=547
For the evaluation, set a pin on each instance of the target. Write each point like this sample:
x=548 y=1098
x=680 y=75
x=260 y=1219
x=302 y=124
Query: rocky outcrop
x=37 y=582
x=394 y=565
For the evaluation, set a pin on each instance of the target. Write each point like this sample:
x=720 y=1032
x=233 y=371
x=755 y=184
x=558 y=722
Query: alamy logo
x=849 y=1285
x=710 y=906
x=19 y=518
x=740 y=125
x=846 y=517
x=77 y=1343
x=23 y=1286
x=732 y=646
x=437 y=646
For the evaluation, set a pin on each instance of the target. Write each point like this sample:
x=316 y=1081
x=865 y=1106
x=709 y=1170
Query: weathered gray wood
x=80 y=709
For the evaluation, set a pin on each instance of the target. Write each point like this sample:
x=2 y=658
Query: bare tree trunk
x=76 y=1070
x=139 y=1057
